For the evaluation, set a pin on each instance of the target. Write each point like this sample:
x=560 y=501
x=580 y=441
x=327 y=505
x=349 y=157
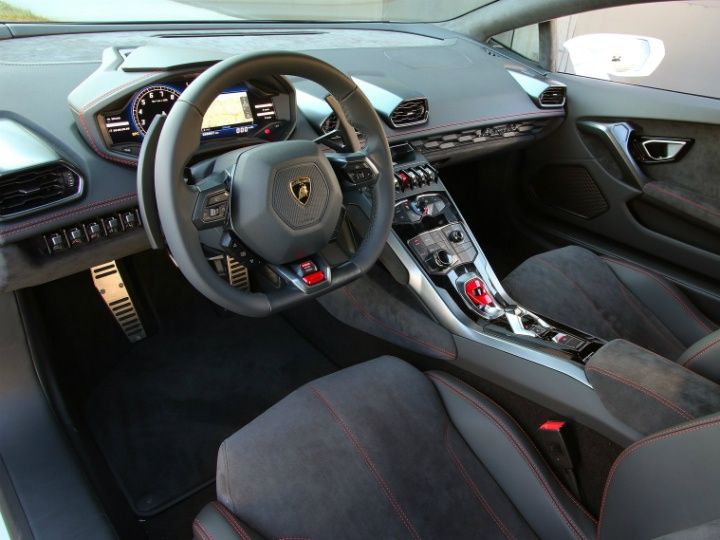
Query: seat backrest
x=667 y=484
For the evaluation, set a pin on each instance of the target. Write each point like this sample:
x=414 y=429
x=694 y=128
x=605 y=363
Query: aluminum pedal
x=238 y=275
x=110 y=284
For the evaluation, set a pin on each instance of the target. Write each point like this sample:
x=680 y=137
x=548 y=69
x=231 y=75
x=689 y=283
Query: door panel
x=587 y=182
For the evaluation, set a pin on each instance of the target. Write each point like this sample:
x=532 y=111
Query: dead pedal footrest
x=110 y=284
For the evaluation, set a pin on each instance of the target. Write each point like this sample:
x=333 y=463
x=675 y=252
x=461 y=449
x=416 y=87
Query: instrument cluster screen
x=238 y=111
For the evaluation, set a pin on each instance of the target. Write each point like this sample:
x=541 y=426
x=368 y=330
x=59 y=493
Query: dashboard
x=437 y=93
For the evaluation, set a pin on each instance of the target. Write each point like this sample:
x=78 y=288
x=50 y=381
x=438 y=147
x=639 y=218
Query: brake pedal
x=110 y=284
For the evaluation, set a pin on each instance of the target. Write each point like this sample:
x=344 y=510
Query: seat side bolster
x=703 y=357
x=499 y=443
x=664 y=483
x=665 y=301
x=216 y=522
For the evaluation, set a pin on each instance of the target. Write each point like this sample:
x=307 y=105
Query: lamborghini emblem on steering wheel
x=300 y=187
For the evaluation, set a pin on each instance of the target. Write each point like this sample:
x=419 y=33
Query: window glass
x=524 y=41
x=224 y=10
x=668 y=45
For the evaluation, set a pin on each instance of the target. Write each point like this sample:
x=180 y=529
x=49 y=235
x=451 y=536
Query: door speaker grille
x=570 y=188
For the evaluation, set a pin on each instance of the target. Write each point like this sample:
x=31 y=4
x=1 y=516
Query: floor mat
x=161 y=414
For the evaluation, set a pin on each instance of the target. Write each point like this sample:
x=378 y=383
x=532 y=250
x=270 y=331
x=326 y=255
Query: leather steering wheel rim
x=179 y=141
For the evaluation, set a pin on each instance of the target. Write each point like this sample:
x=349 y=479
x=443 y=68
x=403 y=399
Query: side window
x=524 y=41
x=667 y=45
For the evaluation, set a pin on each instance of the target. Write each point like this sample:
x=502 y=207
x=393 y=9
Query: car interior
x=352 y=278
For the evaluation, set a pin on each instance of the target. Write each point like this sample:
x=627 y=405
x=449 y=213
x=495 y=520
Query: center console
x=448 y=270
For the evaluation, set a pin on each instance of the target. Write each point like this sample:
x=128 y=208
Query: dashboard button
x=94 y=230
x=129 y=220
x=56 y=242
x=112 y=225
x=76 y=236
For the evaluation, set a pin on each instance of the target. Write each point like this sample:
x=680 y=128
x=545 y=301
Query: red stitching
x=666 y=191
x=539 y=455
x=520 y=451
x=97 y=150
x=201 y=531
x=669 y=404
x=99 y=98
x=700 y=352
x=370 y=465
x=473 y=486
x=683 y=303
x=68 y=212
x=377 y=321
x=630 y=450
x=224 y=512
x=81 y=115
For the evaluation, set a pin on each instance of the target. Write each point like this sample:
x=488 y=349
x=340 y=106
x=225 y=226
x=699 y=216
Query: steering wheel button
x=218 y=198
x=314 y=278
x=308 y=267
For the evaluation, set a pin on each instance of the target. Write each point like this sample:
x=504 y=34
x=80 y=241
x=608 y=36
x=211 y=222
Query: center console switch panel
x=441 y=249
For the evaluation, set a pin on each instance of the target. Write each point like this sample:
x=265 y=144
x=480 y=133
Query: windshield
x=233 y=10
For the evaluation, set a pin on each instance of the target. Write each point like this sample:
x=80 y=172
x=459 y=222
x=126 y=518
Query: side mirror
x=620 y=55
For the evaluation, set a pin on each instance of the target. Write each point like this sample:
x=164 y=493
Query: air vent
x=553 y=97
x=32 y=190
x=329 y=124
x=410 y=112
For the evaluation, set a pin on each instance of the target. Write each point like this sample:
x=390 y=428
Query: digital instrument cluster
x=238 y=111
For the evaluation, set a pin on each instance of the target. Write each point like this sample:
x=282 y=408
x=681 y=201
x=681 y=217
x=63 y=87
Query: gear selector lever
x=478 y=296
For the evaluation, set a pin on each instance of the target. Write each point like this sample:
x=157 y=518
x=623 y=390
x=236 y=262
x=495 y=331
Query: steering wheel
x=284 y=199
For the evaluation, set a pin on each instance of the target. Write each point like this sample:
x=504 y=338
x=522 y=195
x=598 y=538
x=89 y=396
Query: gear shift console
x=432 y=229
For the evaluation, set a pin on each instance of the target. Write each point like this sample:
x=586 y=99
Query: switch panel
x=438 y=253
x=90 y=231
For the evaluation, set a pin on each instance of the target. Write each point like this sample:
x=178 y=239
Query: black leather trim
x=514 y=462
x=704 y=531
x=215 y=522
x=704 y=357
x=664 y=300
x=664 y=483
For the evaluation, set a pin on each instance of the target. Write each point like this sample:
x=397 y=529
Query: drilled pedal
x=110 y=284
x=237 y=273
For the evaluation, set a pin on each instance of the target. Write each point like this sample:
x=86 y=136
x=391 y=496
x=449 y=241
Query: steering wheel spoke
x=212 y=203
x=354 y=170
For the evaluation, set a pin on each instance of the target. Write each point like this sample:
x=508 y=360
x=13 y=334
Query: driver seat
x=382 y=450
